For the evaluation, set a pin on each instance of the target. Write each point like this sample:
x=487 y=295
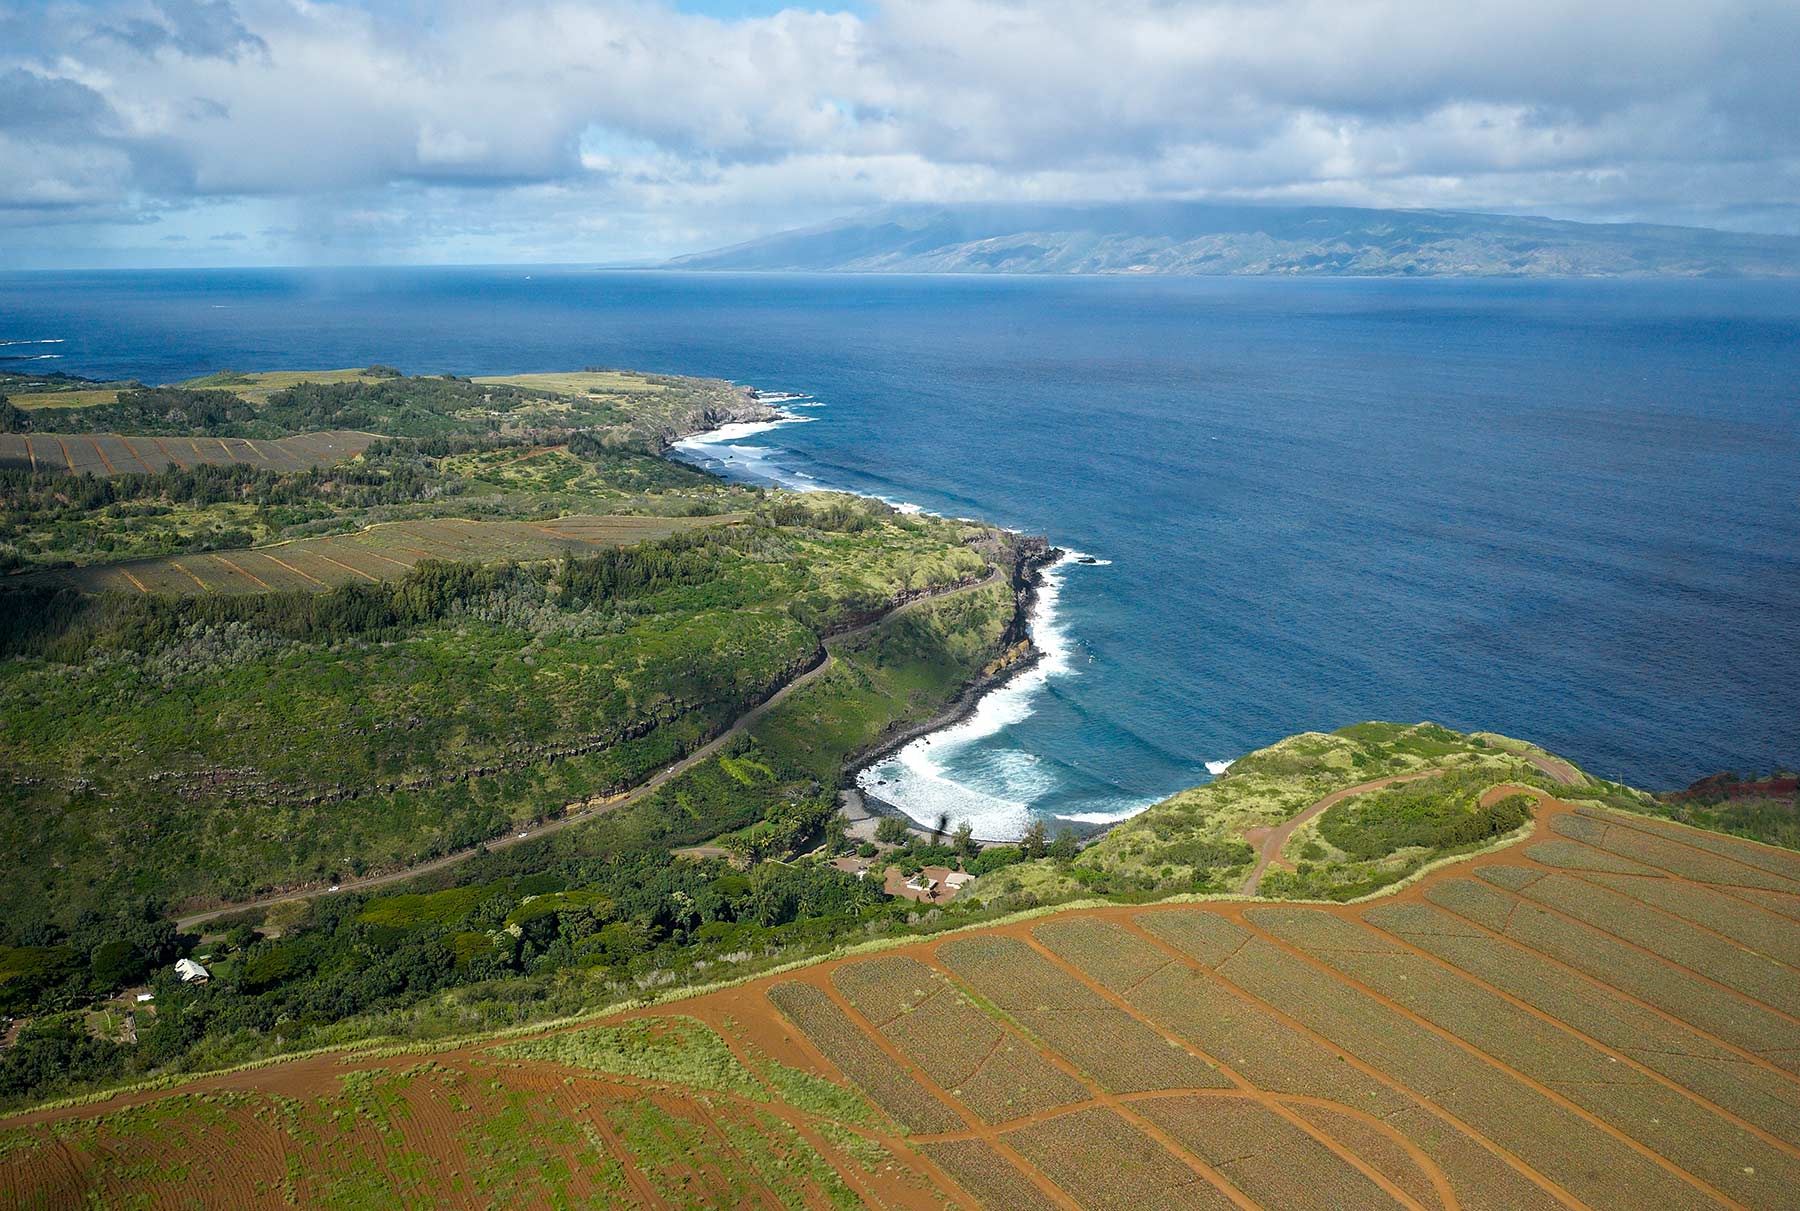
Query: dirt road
x=598 y=808
x=1270 y=840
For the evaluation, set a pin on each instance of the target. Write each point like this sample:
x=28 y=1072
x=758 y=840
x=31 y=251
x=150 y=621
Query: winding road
x=1270 y=840
x=593 y=808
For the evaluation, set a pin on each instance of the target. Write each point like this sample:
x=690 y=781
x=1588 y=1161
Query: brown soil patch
x=1437 y=1080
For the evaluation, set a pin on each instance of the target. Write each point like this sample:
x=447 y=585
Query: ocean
x=1564 y=510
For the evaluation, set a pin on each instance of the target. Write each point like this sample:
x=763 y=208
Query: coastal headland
x=485 y=781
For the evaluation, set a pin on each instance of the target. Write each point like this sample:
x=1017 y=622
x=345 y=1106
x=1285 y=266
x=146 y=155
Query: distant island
x=1206 y=238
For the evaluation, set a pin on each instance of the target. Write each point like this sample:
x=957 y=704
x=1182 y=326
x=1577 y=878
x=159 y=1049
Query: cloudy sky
x=207 y=132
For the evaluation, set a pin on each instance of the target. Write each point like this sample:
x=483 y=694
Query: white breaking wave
x=1124 y=813
x=49 y=340
x=1215 y=768
x=916 y=780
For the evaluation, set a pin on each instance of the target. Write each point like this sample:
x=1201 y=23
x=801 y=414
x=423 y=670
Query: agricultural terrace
x=108 y=454
x=382 y=552
x=1605 y=1014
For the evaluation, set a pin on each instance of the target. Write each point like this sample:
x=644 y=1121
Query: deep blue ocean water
x=1568 y=511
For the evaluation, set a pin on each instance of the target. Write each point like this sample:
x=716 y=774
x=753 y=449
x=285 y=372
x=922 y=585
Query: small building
x=144 y=998
x=956 y=880
x=191 y=972
x=929 y=886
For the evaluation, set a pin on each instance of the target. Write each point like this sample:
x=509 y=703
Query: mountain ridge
x=1197 y=238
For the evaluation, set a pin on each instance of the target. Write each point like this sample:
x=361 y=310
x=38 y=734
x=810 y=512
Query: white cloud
x=513 y=125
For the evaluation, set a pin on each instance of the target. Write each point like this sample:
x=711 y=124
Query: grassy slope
x=216 y=762
x=1194 y=840
x=541 y=1124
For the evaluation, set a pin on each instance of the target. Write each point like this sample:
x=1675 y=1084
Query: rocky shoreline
x=1018 y=654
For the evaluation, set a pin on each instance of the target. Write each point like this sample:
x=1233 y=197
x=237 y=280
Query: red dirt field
x=126 y=454
x=1606 y=1015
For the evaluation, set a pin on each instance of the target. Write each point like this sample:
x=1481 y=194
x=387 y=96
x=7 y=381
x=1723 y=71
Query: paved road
x=532 y=832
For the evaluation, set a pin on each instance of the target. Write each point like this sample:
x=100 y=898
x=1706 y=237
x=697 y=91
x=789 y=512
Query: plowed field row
x=1604 y=1017
x=119 y=454
x=383 y=552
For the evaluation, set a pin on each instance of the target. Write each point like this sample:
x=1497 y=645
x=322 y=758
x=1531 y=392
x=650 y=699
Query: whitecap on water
x=916 y=779
x=1215 y=768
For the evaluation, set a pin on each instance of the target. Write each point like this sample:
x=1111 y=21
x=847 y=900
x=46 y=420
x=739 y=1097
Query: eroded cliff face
x=711 y=406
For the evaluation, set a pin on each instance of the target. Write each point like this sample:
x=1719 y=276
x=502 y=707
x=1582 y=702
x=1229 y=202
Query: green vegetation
x=172 y=748
x=675 y=1049
x=1744 y=805
x=1432 y=813
x=1195 y=840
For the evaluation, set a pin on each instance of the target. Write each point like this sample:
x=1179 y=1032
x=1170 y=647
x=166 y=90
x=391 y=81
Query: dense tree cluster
x=396 y=405
x=66 y=625
x=621 y=915
x=176 y=410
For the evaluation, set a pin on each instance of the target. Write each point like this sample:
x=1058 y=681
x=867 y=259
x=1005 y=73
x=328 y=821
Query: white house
x=191 y=972
x=956 y=880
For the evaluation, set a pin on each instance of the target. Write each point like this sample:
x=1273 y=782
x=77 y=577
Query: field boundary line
x=126 y=573
x=67 y=458
x=807 y=1121
x=290 y=567
x=142 y=462
x=1499 y=1065
x=1670 y=830
x=1524 y=900
x=1456 y=972
x=348 y=568
x=1675 y=874
x=1254 y=1092
x=241 y=572
x=1579 y=876
x=628 y=1164
x=385 y=559
x=1131 y=925
x=1743 y=1053
x=988 y=1135
x=204 y=587
x=1099 y=1097
x=104 y=461
x=1728 y=891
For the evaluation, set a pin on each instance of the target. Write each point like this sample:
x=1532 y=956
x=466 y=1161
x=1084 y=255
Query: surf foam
x=917 y=780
